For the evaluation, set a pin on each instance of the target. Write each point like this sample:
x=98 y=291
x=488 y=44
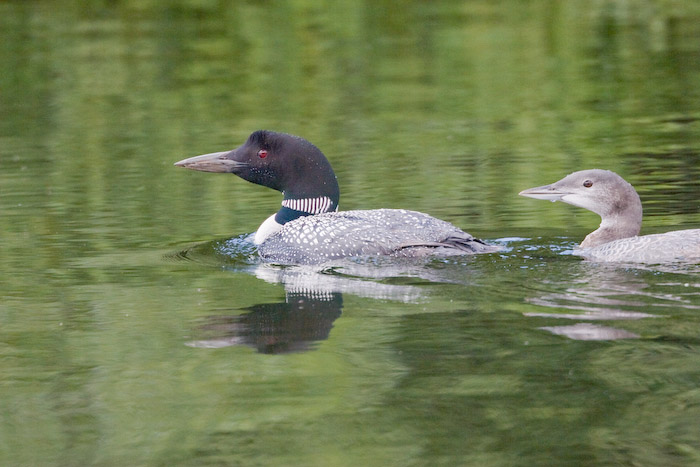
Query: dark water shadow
x=294 y=325
x=297 y=324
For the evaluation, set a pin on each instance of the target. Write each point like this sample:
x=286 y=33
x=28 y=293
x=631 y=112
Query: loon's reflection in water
x=313 y=298
x=601 y=300
x=272 y=328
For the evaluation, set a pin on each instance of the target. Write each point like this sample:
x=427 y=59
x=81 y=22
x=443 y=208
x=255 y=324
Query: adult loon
x=617 y=203
x=308 y=229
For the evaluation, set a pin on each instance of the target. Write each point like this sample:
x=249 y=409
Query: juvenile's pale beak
x=548 y=192
x=214 y=162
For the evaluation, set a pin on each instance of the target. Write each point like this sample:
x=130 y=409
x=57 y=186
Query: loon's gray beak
x=214 y=162
x=548 y=192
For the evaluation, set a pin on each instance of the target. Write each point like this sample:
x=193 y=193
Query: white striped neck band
x=310 y=205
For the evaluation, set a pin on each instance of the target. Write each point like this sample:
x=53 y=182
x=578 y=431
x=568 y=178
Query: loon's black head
x=286 y=163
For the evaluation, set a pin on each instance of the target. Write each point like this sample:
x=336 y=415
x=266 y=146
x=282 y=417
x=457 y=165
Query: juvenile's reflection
x=595 y=292
x=590 y=332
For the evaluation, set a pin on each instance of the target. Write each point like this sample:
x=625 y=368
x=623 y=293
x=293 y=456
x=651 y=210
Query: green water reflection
x=446 y=107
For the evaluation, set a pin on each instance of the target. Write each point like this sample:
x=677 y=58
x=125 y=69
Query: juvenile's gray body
x=678 y=245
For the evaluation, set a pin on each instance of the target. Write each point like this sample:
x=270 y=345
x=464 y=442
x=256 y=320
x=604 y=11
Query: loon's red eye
x=262 y=153
x=588 y=183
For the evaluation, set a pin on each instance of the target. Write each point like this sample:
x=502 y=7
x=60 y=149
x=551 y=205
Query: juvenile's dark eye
x=262 y=154
x=588 y=183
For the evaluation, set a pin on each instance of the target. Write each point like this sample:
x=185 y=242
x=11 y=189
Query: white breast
x=266 y=229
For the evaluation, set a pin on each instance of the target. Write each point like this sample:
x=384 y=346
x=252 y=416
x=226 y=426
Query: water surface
x=139 y=328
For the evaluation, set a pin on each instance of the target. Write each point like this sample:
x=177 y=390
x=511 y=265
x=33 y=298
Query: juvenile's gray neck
x=613 y=228
x=621 y=217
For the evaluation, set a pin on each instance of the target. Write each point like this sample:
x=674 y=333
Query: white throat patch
x=266 y=229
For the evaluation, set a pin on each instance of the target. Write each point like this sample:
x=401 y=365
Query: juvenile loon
x=308 y=229
x=617 y=203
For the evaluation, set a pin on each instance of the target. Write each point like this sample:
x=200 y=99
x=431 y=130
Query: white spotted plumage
x=377 y=232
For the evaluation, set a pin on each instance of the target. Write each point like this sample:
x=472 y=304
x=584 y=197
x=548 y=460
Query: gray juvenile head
x=603 y=192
